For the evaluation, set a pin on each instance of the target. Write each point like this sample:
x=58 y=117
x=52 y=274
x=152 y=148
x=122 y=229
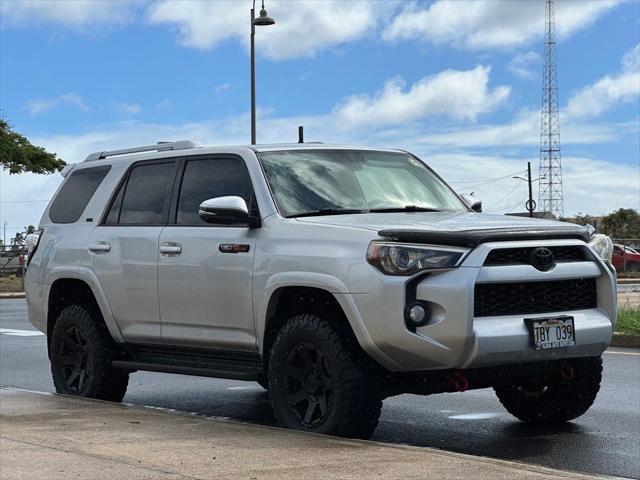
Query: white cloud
x=609 y=90
x=302 y=28
x=223 y=87
x=483 y=24
x=461 y=95
x=38 y=106
x=523 y=64
x=73 y=13
x=163 y=105
x=128 y=109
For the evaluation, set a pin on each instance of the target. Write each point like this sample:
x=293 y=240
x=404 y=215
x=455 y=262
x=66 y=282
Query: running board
x=237 y=365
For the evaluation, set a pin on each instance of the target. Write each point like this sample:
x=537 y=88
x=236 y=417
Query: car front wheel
x=319 y=382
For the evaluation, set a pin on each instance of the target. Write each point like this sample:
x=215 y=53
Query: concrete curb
x=11 y=294
x=126 y=441
x=625 y=340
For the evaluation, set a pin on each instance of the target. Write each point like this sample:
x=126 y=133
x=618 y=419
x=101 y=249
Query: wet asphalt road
x=605 y=440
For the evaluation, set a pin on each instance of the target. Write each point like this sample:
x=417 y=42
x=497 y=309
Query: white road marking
x=474 y=416
x=20 y=333
x=243 y=387
x=635 y=354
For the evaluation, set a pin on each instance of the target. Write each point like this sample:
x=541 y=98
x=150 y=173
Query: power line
x=506 y=196
x=508 y=208
x=23 y=201
x=489 y=180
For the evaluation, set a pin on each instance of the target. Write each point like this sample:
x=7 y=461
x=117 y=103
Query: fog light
x=417 y=315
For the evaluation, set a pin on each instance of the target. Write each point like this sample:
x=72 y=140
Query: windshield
x=353 y=181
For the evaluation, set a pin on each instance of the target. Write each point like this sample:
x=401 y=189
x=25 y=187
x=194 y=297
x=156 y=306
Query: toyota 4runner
x=334 y=276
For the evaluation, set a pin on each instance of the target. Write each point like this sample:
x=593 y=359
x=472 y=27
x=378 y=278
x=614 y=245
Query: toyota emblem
x=542 y=259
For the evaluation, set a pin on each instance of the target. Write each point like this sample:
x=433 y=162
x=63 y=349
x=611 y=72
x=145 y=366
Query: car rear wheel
x=320 y=383
x=559 y=396
x=81 y=351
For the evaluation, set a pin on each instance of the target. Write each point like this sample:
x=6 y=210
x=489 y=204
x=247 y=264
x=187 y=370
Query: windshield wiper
x=406 y=208
x=328 y=211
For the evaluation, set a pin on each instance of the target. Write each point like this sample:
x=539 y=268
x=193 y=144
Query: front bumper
x=454 y=338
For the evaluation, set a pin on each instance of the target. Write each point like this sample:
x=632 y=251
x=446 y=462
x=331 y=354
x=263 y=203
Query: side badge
x=233 y=248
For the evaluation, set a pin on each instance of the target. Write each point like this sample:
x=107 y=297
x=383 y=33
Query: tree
x=623 y=223
x=18 y=240
x=18 y=155
x=585 y=219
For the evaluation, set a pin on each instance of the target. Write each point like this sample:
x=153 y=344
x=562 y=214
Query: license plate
x=551 y=332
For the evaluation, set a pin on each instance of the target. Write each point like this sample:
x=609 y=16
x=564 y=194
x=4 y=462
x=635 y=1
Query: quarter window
x=209 y=178
x=76 y=193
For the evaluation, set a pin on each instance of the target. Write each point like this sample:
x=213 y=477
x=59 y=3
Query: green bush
x=629 y=320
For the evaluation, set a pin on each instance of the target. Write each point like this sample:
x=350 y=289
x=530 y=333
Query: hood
x=454 y=228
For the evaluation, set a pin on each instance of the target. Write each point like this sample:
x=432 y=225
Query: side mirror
x=474 y=203
x=226 y=211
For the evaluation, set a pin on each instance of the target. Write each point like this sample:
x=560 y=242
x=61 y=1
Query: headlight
x=404 y=259
x=602 y=245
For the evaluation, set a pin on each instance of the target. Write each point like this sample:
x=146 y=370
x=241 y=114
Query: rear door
x=124 y=248
x=205 y=288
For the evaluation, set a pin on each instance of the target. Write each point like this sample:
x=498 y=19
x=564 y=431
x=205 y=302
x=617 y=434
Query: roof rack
x=159 y=147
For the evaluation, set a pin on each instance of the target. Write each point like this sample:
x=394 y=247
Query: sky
x=456 y=82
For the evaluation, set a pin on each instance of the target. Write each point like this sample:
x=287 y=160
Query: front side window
x=305 y=181
x=141 y=199
x=210 y=178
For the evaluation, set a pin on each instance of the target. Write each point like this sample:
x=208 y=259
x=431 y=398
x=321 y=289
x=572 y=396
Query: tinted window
x=210 y=178
x=76 y=193
x=143 y=200
x=114 y=212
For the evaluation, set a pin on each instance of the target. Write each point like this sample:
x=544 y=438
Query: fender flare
x=90 y=278
x=330 y=284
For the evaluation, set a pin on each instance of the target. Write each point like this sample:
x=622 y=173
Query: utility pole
x=550 y=191
x=530 y=205
x=4 y=236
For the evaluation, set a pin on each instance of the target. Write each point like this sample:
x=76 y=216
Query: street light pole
x=262 y=20
x=253 y=76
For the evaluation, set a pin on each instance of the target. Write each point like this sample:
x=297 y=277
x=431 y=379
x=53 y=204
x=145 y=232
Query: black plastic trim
x=473 y=238
x=233 y=364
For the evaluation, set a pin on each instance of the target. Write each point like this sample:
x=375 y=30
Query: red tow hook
x=567 y=373
x=458 y=381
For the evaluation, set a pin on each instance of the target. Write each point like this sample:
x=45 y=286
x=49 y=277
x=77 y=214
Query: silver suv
x=334 y=276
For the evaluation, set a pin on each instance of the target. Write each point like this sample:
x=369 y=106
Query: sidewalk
x=56 y=437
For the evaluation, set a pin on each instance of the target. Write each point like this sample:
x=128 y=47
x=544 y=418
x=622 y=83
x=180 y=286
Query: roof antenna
x=300 y=134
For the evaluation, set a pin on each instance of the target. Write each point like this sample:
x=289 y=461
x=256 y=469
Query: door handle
x=170 y=248
x=100 y=247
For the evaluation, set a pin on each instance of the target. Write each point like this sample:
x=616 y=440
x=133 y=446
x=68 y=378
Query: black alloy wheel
x=74 y=360
x=309 y=386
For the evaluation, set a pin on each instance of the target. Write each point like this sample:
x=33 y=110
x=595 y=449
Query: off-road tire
x=562 y=395
x=76 y=326
x=352 y=402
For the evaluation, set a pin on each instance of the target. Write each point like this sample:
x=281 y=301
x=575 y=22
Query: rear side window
x=142 y=198
x=209 y=178
x=76 y=193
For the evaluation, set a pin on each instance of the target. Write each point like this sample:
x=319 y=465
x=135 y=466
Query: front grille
x=493 y=299
x=521 y=255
